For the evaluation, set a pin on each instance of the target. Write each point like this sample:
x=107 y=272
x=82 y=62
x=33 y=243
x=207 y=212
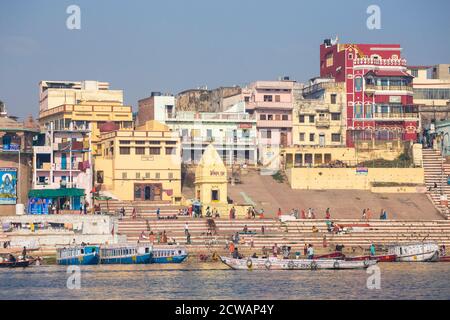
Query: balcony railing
x=371 y=87
x=395 y=115
x=322 y=122
x=380 y=62
x=219 y=140
x=210 y=117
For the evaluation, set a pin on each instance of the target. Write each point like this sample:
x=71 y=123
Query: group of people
x=367 y=214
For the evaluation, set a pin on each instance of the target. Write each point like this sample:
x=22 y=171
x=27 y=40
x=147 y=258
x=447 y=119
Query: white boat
x=273 y=263
x=416 y=252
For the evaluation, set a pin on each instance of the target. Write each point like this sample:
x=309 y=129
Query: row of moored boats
x=120 y=254
x=418 y=252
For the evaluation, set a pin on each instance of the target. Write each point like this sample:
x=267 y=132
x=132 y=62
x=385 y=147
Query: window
x=415 y=73
x=140 y=142
x=285 y=117
x=100 y=176
x=215 y=195
x=311 y=119
x=267 y=98
x=333 y=98
x=267 y=134
x=262 y=117
x=155 y=142
x=311 y=137
x=247 y=99
x=140 y=150
x=350 y=56
x=41 y=180
x=329 y=60
x=335 y=116
x=155 y=151
x=301 y=136
x=336 y=137
x=278 y=117
x=301 y=119
x=358 y=84
x=170 y=175
x=171 y=142
x=124 y=150
x=270 y=117
x=170 y=151
x=124 y=141
x=157 y=175
x=147 y=175
x=124 y=175
x=277 y=98
x=138 y=175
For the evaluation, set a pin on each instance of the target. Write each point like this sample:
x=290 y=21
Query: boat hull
x=17 y=264
x=381 y=258
x=417 y=252
x=173 y=259
x=444 y=259
x=82 y=260
x=138 y=259
x=297 y=264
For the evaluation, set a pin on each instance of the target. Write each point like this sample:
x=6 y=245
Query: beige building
x=319 y=119
x=56 y=93
x=140 y=165
x=431 y=91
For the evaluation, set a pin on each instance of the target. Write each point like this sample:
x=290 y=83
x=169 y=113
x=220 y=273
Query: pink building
x=272 y=103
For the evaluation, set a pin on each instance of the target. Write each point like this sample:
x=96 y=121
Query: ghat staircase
x=294 y=233
x=436 y=173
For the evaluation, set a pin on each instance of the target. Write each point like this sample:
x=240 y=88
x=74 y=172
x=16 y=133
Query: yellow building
x=319 y=116
x=140 y=165
x=211 y=179
x=87 y=115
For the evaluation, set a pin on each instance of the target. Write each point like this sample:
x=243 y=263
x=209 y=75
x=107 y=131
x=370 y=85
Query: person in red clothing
x=190 y=211
x=303 y=214
x=327 y=214
x=279 y=213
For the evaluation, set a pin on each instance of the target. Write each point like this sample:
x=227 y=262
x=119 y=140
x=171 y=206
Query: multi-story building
x=271 y=102
x=156 y=107
x=431 y=87
x=143 y=164
x=56 y=93
x=319 y=115
x=16 y=142
x=379 y=90
x=232 y=133
x=62 y=169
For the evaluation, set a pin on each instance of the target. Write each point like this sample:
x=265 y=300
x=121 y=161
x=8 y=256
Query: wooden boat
x=78 y=255
x=169 y=254
x=126 y=254
x=296 y=264
x=15 y=264
x=444 y=259
x=379 y=258
x=416 y=252
x=333 y=255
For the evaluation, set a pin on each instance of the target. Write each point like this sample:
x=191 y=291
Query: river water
x=214 y=281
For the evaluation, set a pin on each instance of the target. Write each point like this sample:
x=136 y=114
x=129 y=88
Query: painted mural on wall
x=8 y=186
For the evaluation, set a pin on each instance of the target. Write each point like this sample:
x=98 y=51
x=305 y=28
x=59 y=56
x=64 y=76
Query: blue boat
x=78 y=255
x=126 y=254
x=169 y=254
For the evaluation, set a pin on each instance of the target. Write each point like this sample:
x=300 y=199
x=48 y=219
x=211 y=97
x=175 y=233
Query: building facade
x=16 y=151
x=62 y=169
x=431 y=85
x=232 y=133
x=156 y=107
x=319 y=115
x=140 y=165
x=378 y=88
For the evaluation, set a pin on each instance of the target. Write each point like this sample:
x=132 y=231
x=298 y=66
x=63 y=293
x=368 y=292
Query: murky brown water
x=187 y=281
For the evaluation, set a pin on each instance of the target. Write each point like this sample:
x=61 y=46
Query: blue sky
x=142 y=46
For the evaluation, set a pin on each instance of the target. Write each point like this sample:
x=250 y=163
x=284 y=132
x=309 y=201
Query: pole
x=18 y=177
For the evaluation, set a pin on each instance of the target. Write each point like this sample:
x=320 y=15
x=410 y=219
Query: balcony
x=322 y=122
x=379 y=62
x=213 y=117
x=373 y=88
x=219 y=140
x=389 y=116
x=274 y=124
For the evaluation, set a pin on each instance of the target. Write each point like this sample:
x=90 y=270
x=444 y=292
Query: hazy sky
x=144 y=46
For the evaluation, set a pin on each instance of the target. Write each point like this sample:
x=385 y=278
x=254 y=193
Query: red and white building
x=379 y=91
